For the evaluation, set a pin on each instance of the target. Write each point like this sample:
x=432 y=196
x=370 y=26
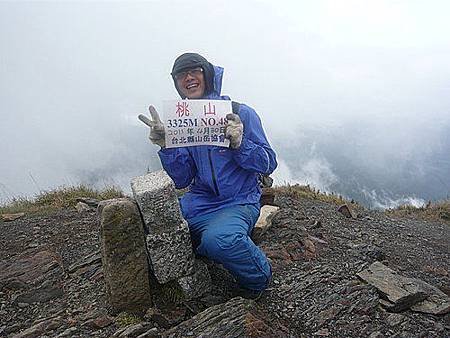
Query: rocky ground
x=51 y=282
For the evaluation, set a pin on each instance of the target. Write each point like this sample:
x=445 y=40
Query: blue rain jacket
x=220 y=177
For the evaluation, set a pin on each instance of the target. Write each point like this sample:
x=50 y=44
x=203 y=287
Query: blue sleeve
x=179 y=165
x=255 y=152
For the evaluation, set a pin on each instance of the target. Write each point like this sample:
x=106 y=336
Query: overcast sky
x=74 y=76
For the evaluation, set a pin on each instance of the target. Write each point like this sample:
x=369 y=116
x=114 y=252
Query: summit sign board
x=195 y=122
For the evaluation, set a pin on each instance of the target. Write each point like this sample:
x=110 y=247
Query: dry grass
x=62 y=197
x=437 y=211
x=306 y=191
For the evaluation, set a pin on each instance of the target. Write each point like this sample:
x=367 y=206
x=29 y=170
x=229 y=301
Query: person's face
x=191 y=83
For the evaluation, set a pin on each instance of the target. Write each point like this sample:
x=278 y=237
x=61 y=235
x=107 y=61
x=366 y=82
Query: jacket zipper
x=216 y=188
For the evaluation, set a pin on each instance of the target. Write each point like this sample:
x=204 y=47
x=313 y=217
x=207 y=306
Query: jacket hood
x=216 y=84
x=212 y=74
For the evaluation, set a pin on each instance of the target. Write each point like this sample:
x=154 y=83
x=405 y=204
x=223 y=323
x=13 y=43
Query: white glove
x=234 y=130
x=157 y=132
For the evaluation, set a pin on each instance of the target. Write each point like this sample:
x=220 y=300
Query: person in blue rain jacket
x=222 y=204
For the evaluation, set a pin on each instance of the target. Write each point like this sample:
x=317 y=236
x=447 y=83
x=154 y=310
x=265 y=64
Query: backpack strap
x=264 y=179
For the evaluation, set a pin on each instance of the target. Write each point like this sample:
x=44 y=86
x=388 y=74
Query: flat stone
x=99 y=322
x=395 y=319
x=377 y=334
x=40 y=295
x=196 y=284
x=68 y=332
x=124 y=257
x=155 y=194
x=30 y=270
x=401 y=291
x=264 y=221
x=152 y=333
x=38 y=329
x=265 y=216
x=235 y=318
x=171 y=254
x=92 y=202
x=134 y=330
x=437 y=302
x=12 y=217
x=93 y=258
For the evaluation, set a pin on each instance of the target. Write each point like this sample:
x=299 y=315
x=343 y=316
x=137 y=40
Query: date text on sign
x=196 y=122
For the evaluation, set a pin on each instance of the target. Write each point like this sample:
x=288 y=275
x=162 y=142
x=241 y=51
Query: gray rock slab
x=155 y=194
x=437 y=302
x=235 y=318
x=196 y=284
x=124 y=257
x=171 y=254
x=400 y=291
x=30 y=270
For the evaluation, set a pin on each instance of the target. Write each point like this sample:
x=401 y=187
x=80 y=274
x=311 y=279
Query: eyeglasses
x=193 y=72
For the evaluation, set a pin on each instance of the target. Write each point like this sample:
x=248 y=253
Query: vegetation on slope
x=306 y=191
x=62 y=197
x=432 y=211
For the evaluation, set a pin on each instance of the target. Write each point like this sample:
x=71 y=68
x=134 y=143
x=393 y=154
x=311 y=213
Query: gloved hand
x=157 y=132
x=234 y=130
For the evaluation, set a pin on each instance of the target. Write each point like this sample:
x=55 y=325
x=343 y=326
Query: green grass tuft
x=124 y=319
x=62 y=197
x=436 y=211
x=298 y=191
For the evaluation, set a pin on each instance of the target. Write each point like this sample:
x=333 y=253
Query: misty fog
x=354 y=96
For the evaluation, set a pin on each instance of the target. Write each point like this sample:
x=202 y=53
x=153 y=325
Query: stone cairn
x=168 y=240
x=160 y=245
x=124 y=258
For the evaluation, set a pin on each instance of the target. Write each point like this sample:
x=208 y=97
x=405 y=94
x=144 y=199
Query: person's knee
x=211 y=244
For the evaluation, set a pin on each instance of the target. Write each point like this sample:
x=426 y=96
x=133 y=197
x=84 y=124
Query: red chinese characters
x=182 y=109
x=209 y=109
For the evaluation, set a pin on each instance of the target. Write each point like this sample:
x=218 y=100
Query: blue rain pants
x=224 y=237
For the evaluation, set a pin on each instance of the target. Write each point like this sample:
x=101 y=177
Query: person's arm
x=254 y=152
x=179 y=165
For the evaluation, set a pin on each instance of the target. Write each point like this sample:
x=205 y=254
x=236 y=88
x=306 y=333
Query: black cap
x=193 y=60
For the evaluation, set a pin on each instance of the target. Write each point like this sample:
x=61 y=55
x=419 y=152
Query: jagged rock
x=198 y=283
x=12 y=217
x=369 y=252
x=42 y=294
x=437 y=302
x=92 y=202
x=401 y=292
x=82 y=207
x=30 y=270
x=171 y=254
x=152 y=333
x=134 y=330
x=168 y=240
x=99 y=322
x=235 y=318
x=155 y=194
x=345 y=210
x=264 y=221
x=395 y=319
x=91 y=259
x=124 y=257
x=267 y=197
x=38 y=329
x=68 y=332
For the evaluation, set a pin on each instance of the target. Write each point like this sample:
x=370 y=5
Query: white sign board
x=195 y=122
